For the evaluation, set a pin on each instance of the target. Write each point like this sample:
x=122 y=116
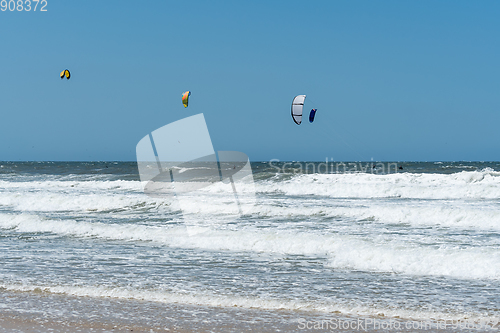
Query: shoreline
x=43 y=312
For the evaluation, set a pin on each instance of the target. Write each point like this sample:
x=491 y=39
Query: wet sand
x=44 y=312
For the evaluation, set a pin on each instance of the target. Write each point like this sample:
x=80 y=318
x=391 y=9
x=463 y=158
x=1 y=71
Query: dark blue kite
x=312 y=114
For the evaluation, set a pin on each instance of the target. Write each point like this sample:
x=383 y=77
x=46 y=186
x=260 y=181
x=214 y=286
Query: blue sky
x=392 y=80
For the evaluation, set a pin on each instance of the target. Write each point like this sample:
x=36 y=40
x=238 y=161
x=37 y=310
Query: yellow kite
x=185 y=98
x=65 y=73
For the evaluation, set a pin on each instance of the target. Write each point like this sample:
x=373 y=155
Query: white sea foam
x=62 y=196
x=111 y=195
x=448 y=214
x=218 y=300
x=71 y=186
x=423 y=227
x=464 y=185
x=462 y=215
x=466 y=263
x=343 y=251
x=59 y=202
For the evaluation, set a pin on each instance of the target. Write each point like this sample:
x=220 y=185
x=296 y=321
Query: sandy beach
x=44 y=312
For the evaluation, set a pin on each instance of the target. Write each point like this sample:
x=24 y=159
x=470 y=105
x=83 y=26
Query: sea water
x=421 y=241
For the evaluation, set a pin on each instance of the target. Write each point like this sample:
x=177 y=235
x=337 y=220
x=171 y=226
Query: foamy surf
x=347 y=252
x=214 y=300
x=402 y=245
x=483 y=184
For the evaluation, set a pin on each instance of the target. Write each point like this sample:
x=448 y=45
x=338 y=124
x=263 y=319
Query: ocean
x=407 y=240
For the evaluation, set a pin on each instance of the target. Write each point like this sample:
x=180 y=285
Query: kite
x=297 y=105
x=312 y=114
x=65 y=73
x=185 y=98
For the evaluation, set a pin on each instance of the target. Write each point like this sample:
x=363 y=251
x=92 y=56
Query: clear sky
x=392 y=80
